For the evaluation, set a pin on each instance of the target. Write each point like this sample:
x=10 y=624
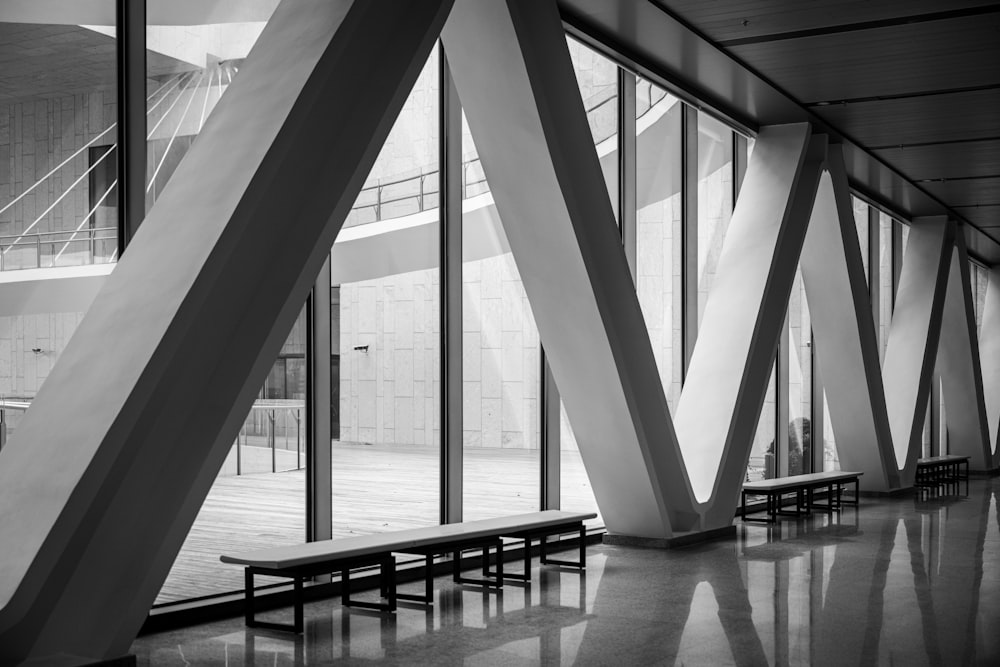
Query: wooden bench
x=304 y=561
x=804 y=487
x=936 y=470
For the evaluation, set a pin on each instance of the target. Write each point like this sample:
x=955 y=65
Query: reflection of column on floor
x=921 y=585
x=271 y=654
x=319 y=641
x=954 y=577
x=387 y=635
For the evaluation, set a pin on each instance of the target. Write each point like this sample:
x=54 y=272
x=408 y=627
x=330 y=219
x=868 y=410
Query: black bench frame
x=804 y=498
x=298 y=575
x=542 y=534
x=387 y=571
x=935 y=471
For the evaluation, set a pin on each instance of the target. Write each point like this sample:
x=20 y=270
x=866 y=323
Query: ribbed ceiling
x=916 y=83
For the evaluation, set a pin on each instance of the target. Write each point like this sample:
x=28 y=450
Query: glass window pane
x=385 y=330
x=188 y=69
x=263 y=477
x=885 y=282
x=58 y=183
x=501 y=369
x=597 y=78
x=58 y=171
x=576 y=493
x=799 y=381
x=831 y=457
x=715 y=199
x=658 y=228
x=762 y=463
x=861 y=224
x=981 y=280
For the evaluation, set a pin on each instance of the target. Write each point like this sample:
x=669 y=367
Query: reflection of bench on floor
x=783 y=544
x=303 y=561
x=941 y=469
x=804 y=488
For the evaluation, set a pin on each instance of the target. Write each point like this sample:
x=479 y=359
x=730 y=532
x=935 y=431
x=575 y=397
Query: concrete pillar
x=913 y=337
x=112 y=462
x=727 y=382
x=959 y=366
x=515 y=79
x=989 y=356
x=844 y=330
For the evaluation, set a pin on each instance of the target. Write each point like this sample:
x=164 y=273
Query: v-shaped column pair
x=655 y=477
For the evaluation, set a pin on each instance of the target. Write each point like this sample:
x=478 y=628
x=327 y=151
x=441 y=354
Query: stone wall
x=35 y=137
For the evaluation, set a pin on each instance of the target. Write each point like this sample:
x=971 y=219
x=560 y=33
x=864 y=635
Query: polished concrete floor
x=903 y=581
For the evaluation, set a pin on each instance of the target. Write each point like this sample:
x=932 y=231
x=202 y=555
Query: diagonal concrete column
x=913 y=337
x=109 y=467
x=844 y=330
x=989 y=356
x=721 y=401
x=515 y=78
x=959 y=366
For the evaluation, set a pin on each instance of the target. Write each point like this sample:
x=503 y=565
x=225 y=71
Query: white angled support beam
x=989 y=355
x=913 y=337
x=514 y=76
x=844 y=331
x=721 y=401
x=109 y=467
x=958 y=365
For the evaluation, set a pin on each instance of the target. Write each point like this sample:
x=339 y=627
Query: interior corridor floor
x=901 y=581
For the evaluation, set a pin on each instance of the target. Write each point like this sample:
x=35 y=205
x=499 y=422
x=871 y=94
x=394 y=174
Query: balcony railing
x=382 y=200
x=42 y=250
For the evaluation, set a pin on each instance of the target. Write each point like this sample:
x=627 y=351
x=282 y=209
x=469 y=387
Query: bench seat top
x=796 y=481
x=312 y=553
x=946 y=458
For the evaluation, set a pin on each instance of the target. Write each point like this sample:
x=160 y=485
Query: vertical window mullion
x=130 y=45
x=450 y=202
x=689 y=235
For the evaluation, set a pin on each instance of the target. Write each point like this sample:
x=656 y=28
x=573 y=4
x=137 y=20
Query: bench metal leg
x=387 y=587
x=249 y=615
x=487 y=581
x=428 y=596
x=581 y=562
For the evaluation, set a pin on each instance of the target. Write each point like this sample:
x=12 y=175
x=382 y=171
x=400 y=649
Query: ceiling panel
x=982 y=216
x=966 y=192
x=958 y=160
x=47 y=61
x=918 y=120
x=941 y=55
x=762 y=19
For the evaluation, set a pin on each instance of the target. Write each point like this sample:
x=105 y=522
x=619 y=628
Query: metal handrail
x=424 y=185
x=39 y=240
x=653 y=96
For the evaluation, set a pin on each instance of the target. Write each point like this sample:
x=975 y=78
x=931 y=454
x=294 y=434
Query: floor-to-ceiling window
x=58 y=185
x=659 y=228
x=799 y=359
x=598 y=79
x=885 y=282
x=258 y=498
x=385 y=329
x=715 y=199
x=501 y=365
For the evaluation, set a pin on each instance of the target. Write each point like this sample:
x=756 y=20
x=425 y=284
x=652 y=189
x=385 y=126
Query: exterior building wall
x=35 y=137
x=389 y=355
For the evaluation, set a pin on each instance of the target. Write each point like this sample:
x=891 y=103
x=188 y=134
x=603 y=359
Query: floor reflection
x=903 y=581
